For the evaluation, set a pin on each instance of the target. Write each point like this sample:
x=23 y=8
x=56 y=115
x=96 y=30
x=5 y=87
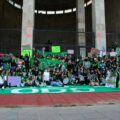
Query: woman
x=46 y=77
x=93 y=78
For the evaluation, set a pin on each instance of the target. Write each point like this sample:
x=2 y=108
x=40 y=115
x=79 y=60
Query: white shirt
x=1 y=80
x=108 y=75
x=46 y=76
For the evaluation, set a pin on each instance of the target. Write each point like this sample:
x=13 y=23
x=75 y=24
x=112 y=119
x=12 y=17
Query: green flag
x=118 y=51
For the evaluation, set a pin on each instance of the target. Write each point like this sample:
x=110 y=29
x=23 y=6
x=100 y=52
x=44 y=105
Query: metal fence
x=113 y=40
x=10 y=40
x=66 y=39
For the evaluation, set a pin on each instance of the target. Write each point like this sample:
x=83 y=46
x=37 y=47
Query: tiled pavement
x=96 y=112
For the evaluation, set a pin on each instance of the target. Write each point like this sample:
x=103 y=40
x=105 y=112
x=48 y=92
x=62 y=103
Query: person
x=46 y=77
x=39 y=77
x=113 y=53
x=35 y=81
x=57 y=83
x=111 y=78
x=27 y=62
x=1 y=82
x=86 y=64
x=48 y=44
x=108 y=75
x=93 y=79
x=28 y=82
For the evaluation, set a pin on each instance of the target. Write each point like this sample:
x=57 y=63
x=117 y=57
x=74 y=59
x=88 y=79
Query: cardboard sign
x=56 y=49
x=112 y=54
x=70 y=52
x=14 y=81
x=94 y=51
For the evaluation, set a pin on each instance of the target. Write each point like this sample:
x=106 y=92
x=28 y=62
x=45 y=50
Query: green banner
x=26 y=52
x=58 y=90
x=56 y=49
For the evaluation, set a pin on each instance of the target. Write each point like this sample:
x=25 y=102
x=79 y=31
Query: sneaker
x=3 y=88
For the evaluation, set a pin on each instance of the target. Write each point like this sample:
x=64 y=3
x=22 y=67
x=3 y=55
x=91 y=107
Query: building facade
x=72 y=24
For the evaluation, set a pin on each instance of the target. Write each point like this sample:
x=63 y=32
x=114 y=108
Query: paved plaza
x=97 y=112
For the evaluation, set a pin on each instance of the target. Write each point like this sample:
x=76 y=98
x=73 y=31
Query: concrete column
x=81 y=26
x=27 y=24
x=99 y=26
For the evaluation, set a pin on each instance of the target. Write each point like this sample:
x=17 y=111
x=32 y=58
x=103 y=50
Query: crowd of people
x=71 y=70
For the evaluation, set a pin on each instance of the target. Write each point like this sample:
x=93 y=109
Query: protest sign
x=14 y=81
x=56 y=49
x=70 y=52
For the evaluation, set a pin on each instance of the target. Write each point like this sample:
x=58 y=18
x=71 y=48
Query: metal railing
x=10 y=40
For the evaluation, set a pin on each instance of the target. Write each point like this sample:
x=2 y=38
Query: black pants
x=4 y=84
x=1 y=85
x=48 y=82
x=117 y=82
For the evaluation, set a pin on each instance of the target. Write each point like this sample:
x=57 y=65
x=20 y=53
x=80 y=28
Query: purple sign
x=14 y=81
